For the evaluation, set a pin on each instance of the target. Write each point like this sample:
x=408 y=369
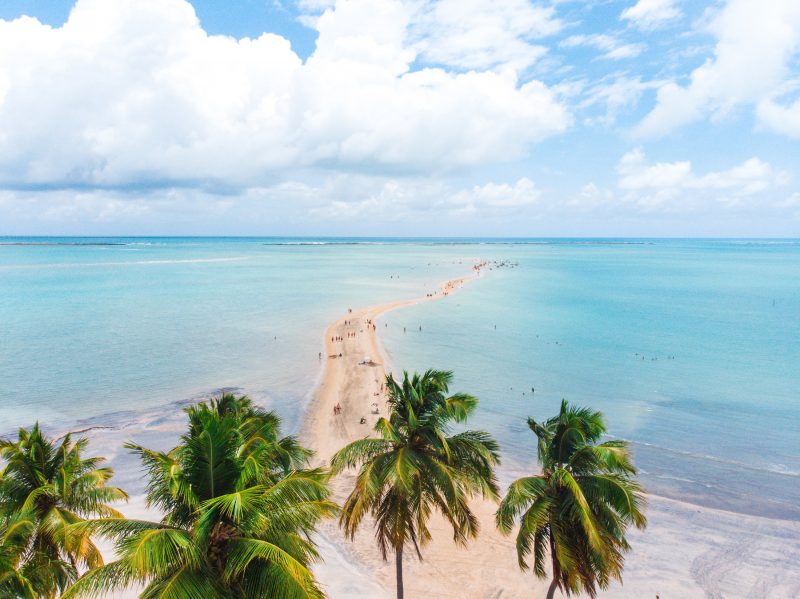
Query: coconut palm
x=46 y=486
x=415 y=466
x=578 y=509
x=239 y=509
x=25 y=572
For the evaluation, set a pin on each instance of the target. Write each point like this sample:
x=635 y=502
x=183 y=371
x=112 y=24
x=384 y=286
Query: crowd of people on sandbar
x=446 y=289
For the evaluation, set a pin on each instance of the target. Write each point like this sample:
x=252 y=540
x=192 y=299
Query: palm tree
x=415 y=466
x=17 y=574
x=45 y=488
x=239 y=509
x=579 y=507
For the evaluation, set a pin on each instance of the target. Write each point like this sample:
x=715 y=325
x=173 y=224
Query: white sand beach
x=485 y=568
x=688 y=551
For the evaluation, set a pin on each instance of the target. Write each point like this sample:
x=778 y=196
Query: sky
x=635 y=118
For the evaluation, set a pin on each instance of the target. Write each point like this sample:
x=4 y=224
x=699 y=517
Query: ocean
x=689 y=347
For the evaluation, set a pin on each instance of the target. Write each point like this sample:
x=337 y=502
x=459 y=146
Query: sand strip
x=487 y=568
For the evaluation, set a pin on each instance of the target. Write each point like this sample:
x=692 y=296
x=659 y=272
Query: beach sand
x=687 y=552
x=487 y=567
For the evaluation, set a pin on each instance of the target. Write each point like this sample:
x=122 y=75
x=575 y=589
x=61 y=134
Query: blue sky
x=400 y=117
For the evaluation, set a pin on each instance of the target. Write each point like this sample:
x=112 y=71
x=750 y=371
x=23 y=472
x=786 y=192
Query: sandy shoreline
x=348 y=382
x=487 y=567
x=687 y=551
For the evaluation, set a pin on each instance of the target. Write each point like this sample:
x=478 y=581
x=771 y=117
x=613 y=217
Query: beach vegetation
x=240 y=506
x=577 y=510
x=47 y=486
x=415 y=465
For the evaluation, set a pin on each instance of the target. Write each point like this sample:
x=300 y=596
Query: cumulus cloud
x=468 y=34
x=355 y=203
x=400 y=199
x=132 y=91
x=756 y=42
x=651 y=14
x=654 y=184
x=612 y=48
x=481 y=34
x=495 y=197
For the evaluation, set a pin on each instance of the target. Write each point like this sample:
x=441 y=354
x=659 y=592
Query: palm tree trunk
x=551 y=592
x=398 y=562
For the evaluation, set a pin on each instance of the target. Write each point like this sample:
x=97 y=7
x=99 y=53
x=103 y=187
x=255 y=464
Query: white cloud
x=616 y=94
x=624 y=51
x=756 y=42
x=781 y=118
x=591 y=196
x=132 y=91
x=494 y=196
x=655 y=184
x=793 y=201
x=651 y=14
x=467 y=34
x=481 y=34
x=613 y=49
x=400 y=199
x=359 y=204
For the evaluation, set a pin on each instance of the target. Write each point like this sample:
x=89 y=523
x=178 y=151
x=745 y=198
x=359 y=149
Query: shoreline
x=339 y=354
x=687 y=551
x=352 y=379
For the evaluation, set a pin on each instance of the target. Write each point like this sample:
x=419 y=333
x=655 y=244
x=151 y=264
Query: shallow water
x=689 y=347
x=92 y=329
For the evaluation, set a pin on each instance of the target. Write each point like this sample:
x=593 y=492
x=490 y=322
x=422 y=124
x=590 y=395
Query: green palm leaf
x=577 y=510
x=239 y=511
x=417 y=466
x=46 y=487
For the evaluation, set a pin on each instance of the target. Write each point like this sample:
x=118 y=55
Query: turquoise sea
x=690 y=347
